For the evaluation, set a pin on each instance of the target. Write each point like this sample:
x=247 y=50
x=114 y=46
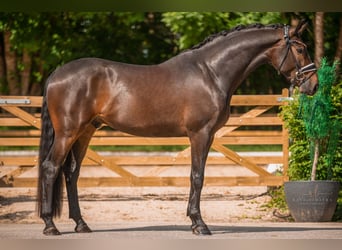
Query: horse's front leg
x=200 y=145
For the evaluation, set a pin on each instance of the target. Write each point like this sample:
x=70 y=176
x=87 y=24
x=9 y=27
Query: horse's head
x=290 y=57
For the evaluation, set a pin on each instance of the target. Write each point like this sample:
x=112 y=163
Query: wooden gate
x=257 y=124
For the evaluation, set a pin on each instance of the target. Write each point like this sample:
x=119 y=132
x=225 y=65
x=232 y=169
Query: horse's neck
x=232 y=59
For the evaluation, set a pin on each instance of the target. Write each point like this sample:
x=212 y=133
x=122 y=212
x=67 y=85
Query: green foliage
x=192 y=27
x=257 y=17
x=316 y=119
x=338 y=212
x=278 y=199
x=317 y=109
x=54 y=38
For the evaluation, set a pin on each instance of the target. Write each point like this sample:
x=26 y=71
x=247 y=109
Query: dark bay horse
x=187 y=95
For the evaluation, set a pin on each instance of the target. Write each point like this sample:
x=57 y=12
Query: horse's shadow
x=216 y=230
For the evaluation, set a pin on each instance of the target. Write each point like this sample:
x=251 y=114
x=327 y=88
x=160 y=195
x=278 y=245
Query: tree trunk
x=25 y=75
x=315 y=161
x=37 y=86
x=11 y=66
x=319 y=37
x=338 y=55
x=2 y=65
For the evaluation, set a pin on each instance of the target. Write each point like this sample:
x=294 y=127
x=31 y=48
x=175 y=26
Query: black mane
x=237 y=28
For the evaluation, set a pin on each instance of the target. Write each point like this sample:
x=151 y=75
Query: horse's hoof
x=82 y=228
x=51 y=231
x=200 y=230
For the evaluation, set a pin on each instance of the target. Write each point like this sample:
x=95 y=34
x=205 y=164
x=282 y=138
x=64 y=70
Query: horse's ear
x=302 y=25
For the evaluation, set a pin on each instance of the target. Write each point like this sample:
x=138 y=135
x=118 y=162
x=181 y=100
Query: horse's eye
x=300 y=50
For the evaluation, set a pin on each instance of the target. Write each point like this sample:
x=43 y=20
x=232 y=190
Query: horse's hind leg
x=51 y=183
x=71 y=170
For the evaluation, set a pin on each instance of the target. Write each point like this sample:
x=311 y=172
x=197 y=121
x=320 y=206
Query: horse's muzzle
x=309 y=87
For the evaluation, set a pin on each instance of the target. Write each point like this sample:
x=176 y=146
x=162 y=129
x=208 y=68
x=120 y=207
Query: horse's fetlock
x=194 y=212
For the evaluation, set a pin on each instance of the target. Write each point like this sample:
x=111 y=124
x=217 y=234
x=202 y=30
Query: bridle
x=301 y=73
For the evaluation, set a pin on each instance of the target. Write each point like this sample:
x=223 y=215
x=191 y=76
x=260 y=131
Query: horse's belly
x=147 y=124
x=151 y=130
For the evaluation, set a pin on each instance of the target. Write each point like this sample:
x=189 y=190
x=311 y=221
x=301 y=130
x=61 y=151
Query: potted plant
x=315 y=168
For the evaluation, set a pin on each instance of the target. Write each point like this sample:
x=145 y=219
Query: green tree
x=191 y=28
x=36 y=43
x=33 y=44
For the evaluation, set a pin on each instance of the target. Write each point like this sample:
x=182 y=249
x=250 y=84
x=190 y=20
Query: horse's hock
x=254 y=121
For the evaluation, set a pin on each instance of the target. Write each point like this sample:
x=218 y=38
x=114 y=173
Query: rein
x=301 y=71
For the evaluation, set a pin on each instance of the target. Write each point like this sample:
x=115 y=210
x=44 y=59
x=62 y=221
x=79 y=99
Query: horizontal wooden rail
x=233 y=121
x=125 y=160
x=147 y=141
x=20 y=117
x=237 y=100
x=111 y=133
x=164 y=181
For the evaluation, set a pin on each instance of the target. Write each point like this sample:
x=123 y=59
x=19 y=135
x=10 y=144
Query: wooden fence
x=20 y=126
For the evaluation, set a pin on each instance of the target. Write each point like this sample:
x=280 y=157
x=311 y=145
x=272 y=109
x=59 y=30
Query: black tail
x=46 y=141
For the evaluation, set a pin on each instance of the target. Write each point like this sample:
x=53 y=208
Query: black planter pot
x=311 y=201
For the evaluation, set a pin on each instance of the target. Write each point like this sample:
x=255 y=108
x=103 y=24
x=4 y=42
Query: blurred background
x=33 y=44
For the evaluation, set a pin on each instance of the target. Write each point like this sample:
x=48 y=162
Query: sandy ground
x=128 y=214
x=142 y=204
x=146 y=204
